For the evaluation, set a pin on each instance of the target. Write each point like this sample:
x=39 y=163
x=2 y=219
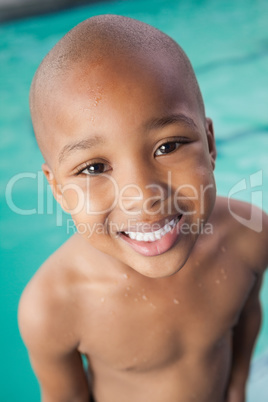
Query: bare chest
x=133 y=327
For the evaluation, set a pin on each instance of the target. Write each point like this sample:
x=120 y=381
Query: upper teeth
x=152 y=236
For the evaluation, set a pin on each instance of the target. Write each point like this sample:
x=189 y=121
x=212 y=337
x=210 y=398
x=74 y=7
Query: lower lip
x=150 y=249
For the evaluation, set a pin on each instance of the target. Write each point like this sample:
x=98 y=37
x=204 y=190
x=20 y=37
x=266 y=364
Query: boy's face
x=129 y=151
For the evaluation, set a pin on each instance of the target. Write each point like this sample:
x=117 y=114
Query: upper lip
x=146 y=227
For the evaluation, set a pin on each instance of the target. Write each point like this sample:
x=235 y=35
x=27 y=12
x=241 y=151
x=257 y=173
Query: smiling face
x=131 y=157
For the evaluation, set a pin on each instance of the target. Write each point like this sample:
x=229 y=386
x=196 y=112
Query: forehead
x=116 y=93
x=129 y=76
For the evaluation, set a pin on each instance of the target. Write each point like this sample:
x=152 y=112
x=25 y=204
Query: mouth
x=154 y=242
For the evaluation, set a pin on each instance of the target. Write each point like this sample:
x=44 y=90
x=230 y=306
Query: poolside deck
x=15 y=9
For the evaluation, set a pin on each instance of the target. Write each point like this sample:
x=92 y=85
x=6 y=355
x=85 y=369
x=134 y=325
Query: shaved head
x=98 y=40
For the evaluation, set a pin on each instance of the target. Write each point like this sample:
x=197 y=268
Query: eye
x=167 y=148
x=94 y=169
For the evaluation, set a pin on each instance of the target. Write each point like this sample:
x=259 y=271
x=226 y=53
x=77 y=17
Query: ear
x=211 y=141
x=55 y=187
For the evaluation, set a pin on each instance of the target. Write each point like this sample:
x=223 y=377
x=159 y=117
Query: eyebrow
x=151 y=125
x=83 y=144
x=171 y=119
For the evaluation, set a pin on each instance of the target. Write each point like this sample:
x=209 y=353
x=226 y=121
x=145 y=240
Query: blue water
x=228 y=45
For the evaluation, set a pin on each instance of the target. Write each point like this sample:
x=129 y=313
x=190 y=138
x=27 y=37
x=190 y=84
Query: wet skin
x=154 y=328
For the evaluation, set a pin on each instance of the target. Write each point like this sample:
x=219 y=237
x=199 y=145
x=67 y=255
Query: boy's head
x=120 y=120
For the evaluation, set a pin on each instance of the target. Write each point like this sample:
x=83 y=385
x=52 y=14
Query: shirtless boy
x=159 y=287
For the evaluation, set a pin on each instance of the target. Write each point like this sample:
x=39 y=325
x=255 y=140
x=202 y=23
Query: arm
x=52 y=350
x=244 y=337
x=61 y=377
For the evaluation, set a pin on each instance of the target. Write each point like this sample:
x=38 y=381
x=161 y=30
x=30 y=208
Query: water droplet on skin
x=102 y=299
x=217 y=281
x=128 y=287
x=145 y=297
x=223 y=272
x=152 y=305
x=175 y=301
x=135 y=300
x=223 y=249
x=126 y=294
x=97 y=100
x=126 y=276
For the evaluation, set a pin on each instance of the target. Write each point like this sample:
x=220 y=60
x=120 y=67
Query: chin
x=162 y=266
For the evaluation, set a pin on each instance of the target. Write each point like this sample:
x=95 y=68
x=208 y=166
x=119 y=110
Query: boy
x=159 y=288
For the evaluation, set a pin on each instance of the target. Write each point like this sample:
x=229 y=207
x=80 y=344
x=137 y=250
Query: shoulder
x=245 y=228
x=46 y=309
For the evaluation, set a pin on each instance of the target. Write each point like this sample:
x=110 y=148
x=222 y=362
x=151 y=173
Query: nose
x=142 y=191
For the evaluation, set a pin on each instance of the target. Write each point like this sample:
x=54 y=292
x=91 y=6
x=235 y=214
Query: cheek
x=90 y=199
x=195 y=182
x=89 y=203
x=72 y=198
x=93 y=227
x=207 y=192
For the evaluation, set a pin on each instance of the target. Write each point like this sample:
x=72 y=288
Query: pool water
x=227 y=43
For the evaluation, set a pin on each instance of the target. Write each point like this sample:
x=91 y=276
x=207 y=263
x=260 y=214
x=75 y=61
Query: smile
x=155 y=235
x=155 y=242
